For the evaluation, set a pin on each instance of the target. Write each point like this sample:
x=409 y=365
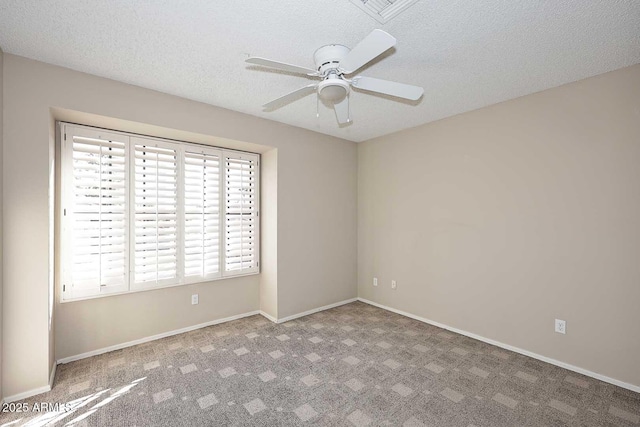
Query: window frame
x=67 y=294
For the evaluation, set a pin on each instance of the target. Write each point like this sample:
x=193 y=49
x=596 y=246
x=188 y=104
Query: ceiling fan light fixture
x=333 y=93
x=333 y=90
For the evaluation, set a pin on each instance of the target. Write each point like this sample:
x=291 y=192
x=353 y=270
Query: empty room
x=342 y=213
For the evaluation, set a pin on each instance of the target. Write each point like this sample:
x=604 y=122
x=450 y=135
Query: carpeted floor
x=352 y=365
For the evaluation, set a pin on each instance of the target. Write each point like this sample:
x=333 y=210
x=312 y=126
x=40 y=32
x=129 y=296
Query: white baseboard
x=202 y=325
x=314 y=310
x=510 y=348
x=27 y=394
x=35 y=391
x=268 y=316
x=154 y=337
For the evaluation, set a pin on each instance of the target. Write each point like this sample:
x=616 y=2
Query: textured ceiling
x=465 y=53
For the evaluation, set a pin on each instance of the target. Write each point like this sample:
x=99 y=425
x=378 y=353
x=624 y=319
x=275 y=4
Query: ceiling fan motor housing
x=328 y=57
x=333 y=88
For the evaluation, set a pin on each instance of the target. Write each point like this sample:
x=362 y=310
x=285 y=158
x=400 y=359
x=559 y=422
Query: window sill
x=176 y=285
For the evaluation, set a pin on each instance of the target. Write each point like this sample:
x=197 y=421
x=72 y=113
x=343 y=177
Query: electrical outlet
x=394 y=285
x=194 y=299
x=375 y=281
x=561 y=326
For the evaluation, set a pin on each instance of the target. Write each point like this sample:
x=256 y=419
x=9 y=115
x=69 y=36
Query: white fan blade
x=290 y=97
x=376 y=43
x=281 y=66
x=342 y=111
x=387 y=87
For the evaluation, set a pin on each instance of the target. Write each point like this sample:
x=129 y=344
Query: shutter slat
x=97 y=215
x=155 y=227
x=202 y=218
x=240 y=213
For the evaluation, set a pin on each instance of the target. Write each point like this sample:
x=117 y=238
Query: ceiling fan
x=333 y=63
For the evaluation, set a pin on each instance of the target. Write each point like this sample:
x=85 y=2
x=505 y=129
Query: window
x=144 y=213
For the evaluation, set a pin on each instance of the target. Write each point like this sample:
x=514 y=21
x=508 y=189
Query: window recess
x=142 y=213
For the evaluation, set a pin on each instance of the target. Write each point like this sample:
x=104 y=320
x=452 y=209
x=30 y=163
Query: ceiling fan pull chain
x=317 y=106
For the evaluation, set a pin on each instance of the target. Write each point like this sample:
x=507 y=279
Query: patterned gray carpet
x=355 y=365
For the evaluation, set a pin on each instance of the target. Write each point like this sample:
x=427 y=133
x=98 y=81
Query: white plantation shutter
x=202 y=189
x=241 y=222
x=141 y=212
x=96 y=213
x=155 y=217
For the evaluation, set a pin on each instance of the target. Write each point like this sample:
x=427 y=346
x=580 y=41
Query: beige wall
x=102 y=322
x=319 y=253
x=500 y=220
x=1 y=227
x=269 y=233
x=25 y=358
x=316 y=208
